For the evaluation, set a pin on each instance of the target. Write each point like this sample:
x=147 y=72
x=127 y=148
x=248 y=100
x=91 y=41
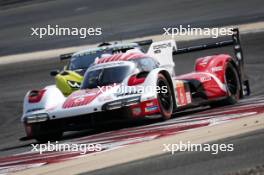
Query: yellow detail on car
x=68 y=81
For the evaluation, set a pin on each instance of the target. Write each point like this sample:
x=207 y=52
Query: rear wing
x=144 y=42
x=239 y=57
x=140 y=43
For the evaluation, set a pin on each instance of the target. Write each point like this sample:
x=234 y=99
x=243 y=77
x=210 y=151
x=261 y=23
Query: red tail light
x=133 y=80
x=35 y=95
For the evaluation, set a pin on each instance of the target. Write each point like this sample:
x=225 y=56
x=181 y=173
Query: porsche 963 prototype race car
x=119 y=87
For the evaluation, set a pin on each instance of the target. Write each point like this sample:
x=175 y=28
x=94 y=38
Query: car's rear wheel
x=233 y=86
x=165 y=98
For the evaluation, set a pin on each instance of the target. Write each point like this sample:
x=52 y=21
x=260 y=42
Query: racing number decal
x=181 y=99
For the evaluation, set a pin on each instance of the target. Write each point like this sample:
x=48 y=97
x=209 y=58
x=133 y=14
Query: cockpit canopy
x=115 y=72
x=80 y=61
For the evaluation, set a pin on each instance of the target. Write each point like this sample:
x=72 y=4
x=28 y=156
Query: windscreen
x=105 y=76
x=84 y=61
x=81 y=63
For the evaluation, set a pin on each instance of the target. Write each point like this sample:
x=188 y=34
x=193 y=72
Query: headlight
x=114 y=105
x=74 y=84
x=121 y=103
x=131 y=101
x=37 y=118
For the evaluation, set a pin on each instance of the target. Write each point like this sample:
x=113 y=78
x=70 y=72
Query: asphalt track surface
x=17 y=79
x=245 y=159
x=118 y=19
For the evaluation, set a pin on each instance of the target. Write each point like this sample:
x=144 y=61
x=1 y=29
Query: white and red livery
x=118 y=87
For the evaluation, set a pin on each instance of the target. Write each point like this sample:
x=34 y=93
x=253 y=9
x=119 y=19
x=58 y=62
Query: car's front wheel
x=43 y=132
x=165 y=98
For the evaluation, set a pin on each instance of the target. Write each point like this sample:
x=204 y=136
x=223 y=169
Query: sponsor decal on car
x=151 y=108
x=216 y=69
x=204 y=79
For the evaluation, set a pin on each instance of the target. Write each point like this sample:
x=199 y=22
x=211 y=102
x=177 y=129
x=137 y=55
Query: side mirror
x=53 y=73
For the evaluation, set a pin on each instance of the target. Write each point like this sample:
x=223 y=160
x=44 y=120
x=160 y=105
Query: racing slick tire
x=165 y=99
x=52 y=137
x=233 y=85
x=42 y=132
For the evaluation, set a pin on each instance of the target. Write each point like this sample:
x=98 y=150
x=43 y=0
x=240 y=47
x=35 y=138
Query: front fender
x=151 y=81
x=51 y=97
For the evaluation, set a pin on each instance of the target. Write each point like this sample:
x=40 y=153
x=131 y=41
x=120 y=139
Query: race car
x=136 y=85
x=70 y=78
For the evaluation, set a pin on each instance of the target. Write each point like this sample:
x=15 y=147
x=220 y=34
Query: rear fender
x=214 y=64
